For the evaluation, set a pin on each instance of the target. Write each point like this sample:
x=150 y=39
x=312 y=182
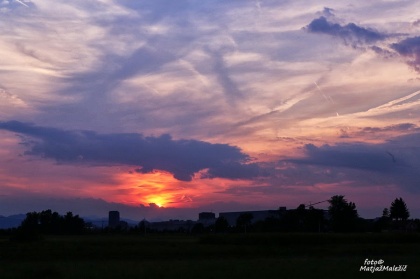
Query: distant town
x=341 y=216
x=205 y=220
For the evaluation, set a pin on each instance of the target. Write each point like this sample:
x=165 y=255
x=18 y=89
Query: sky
x=163 y=109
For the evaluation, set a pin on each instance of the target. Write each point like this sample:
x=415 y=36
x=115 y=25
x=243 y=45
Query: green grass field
x=210 y=256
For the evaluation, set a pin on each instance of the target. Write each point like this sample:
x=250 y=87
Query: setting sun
x=157 y=201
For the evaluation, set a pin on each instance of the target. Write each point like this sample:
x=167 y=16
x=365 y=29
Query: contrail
x=322 y=93
x=20 y=2
x=328 y=99
x=392 y=106
x=395 y=102
x=199 y=76
x=258 y=13
x=279 y=109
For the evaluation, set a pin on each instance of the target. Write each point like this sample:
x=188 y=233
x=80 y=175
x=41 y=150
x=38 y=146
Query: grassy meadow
x=209 y=256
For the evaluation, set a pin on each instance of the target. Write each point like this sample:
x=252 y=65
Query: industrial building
x=206 y=218
x=259 y=215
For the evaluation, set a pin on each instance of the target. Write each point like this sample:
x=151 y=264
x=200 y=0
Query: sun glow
x=159 y=201
x=151 y=189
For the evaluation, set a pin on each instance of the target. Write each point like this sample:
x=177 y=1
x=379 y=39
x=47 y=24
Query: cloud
x=351 y=156
x=222 y=73
x=328 y=12
x=350 y=33
x=356 y=35
x=182 y=158
x=393 y=162
x=402 y=127
x=410 y=49
x=7 y=6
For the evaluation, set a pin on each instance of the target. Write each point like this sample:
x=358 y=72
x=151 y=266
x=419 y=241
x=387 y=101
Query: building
x=206 y=218
x=113 y=219
x=259 y=215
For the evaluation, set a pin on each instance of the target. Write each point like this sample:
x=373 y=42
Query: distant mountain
x=12 y=221
x=130 y=222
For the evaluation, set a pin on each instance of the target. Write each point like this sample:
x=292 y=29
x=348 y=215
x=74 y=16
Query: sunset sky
x=162 y=109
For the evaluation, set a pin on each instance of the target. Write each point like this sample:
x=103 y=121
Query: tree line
x=341 y=216
x=37 y=224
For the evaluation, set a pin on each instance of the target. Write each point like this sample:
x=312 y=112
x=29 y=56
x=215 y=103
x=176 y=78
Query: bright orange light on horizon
x=159 y=188
x=161 y=200
x=163 y=190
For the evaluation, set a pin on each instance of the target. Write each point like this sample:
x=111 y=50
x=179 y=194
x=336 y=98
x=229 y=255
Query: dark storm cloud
x=409 y=48
x=351 y=156
x=182 y=158
x=235 y=170
x=403 y=127
x=396 y=160
x=350 y=33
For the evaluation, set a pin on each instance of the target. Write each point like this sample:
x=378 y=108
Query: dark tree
x=270 y=224
x=29 y=229
x=382 y=223
x=343 y=214
x=73 y=224
x=198 y=228
x=385 y=213
x=221 y=225
x=314 y=220
x=301 y=207
x=399 y=210
x=31 y=221
x=48 y=222
x=303 y=220
x=294 y=220
x=244 y=220
x=143 y=226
